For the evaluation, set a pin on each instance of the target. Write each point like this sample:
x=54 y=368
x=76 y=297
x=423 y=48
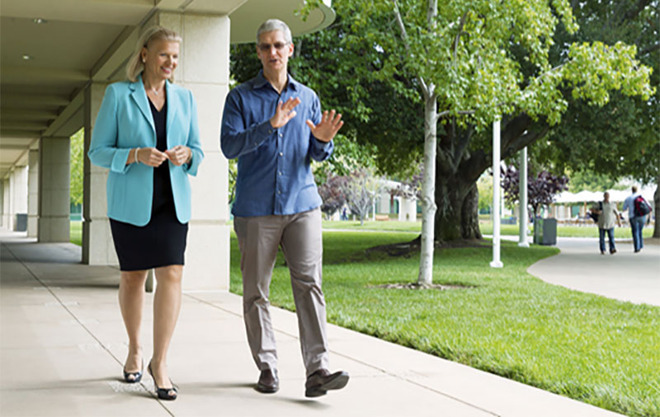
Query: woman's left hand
x=179 y=155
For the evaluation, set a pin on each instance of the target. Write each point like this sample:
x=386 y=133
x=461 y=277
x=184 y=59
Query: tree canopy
x=487 y=58
x=621 y=138
x=484 y=59
x=358 y=66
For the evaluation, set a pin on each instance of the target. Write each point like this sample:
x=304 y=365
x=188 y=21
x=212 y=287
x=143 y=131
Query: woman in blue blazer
x=146 y=134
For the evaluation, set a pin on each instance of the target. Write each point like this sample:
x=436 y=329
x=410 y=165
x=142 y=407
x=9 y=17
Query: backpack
x=594 y=216
x=640 y=206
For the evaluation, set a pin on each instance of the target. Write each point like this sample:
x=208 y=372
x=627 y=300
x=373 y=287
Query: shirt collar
x=260 y=81
x=139 y=83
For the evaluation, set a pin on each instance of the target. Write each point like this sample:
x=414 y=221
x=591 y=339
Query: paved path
x=625 y=276
x=62 y=344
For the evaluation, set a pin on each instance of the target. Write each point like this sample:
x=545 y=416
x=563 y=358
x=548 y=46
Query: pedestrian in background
x=636 y=218
x=607 y=217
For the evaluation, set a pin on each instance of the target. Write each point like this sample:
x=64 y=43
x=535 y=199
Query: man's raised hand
x=284 y=112
x=328 y=127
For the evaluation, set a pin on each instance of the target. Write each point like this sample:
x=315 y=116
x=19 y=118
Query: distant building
x=398 y=207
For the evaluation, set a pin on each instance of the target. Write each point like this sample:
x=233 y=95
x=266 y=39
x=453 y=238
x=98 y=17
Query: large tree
x=621 y=138
x=484 y=58
x=470 y=62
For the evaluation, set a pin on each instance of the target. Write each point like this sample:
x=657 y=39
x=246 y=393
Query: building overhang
x=50 y=51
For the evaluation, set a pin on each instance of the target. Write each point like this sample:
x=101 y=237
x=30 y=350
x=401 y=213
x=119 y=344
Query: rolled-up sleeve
x=320 y=151
x=103 y=150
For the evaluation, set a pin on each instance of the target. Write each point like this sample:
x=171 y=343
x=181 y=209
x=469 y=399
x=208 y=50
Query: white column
x=204 y=69
x=496 y=195
x=10 y=215
x=54 y=197
x=522 y=198
x=4 y=203
x=33 y=193
x=407 y=209
x=98 y=248
x=19 y=198
x=384 y=202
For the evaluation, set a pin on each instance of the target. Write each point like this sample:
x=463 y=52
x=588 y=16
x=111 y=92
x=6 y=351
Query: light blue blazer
x=125 y=122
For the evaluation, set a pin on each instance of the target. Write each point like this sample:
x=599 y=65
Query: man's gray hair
x=274 y=24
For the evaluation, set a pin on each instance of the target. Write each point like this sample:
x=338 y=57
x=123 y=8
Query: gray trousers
x=300 y=237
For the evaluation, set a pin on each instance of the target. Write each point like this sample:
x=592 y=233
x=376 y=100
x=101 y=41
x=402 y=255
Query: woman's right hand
x=151 y=156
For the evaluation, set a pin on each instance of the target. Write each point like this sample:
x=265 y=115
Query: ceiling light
x=26 y=57
x=39 y=21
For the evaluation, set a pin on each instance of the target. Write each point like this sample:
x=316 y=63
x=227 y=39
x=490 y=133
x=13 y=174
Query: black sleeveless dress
x=162 y=241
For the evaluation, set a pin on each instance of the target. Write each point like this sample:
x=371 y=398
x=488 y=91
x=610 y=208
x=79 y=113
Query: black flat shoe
x=133 y=377
x=167 y=394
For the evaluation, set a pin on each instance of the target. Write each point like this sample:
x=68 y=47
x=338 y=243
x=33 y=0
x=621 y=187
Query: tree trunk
x=470 y=215
x=458 y=202
x=428 y=188
x=656 y=201
x=459 y=169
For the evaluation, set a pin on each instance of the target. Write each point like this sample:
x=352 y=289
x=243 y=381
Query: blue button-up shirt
x=629 y=204
x=274 y=172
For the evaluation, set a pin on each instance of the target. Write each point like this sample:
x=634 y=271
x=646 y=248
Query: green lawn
x=507 y=322
x=485 y=226
x=569 y=231
x=396 y=226
x=75 y=233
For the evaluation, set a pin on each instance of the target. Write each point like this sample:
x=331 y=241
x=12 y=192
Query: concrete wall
x=98 y=248
x=204 y=69
x=33 y=193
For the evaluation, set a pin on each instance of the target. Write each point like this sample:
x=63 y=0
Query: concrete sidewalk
x=625 y=276
x=62 y=345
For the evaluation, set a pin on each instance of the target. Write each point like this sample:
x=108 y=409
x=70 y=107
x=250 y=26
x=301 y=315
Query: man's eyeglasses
x=265 y=47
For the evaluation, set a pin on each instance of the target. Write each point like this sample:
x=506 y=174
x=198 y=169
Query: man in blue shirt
x=274 y=126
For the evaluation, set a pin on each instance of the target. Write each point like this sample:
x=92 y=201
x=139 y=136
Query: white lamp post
x=496 y=195
x=522 y=176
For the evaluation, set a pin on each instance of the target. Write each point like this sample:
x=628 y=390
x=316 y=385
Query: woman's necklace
x=153 y=90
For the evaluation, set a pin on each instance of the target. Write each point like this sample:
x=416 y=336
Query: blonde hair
x=154 y=33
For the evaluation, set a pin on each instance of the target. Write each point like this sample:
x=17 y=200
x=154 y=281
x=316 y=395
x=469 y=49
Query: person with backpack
x=637 y=208
x=606 y=215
